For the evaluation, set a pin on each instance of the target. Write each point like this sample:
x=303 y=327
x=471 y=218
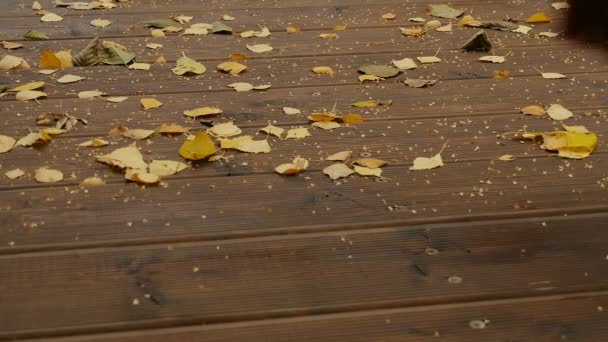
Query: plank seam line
x=354 y=310
x=296 y=232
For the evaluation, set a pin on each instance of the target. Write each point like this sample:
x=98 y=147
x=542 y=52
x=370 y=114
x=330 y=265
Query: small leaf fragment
x=293 y=29
x=560 y=5
x=419 y=83
x=142 y=177
x=243 y=86
x=51 y=17
x=28 y=86
x=506 y=157
x=172 y=129
x=48 y=60
x=117 y=99
x=246 y=144
x=328 y=36
x=91 y=182
x=220 y=28
x=140 y=66
x=10 y=45
x=423 y=163
x=413 y=31
x=138 y=133
x=327 y=125
x=493 y=59
x=9 y=62
x=389 y=16
x=372 y=163
x=35 y=35
x=522 y=29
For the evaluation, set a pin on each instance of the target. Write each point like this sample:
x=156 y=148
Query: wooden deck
x=232 y=251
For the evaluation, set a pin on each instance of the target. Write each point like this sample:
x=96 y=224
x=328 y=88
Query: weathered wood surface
x=231 y=251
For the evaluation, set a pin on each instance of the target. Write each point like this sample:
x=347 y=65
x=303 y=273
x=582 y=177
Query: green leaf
x=117 y=56
x=444 y=11
x=160 y=23
x=220 y=28
x=2 y=89
x=35 y=35
x=479 y=42
x=384 y=71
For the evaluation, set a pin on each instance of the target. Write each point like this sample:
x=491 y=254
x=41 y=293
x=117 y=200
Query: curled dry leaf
x=419 y=83
x=70 y=78
x=264 y=32
x=323 y=70
x=501 y=74
x=6 y=143
x=233 y=68
x=101 y=22
x=125 y=158
x=246 y=144
x=372 y=163
x=154 y=46
x=46 y=175
x=273 y=130
x=493 y=59
x=298 y=133
x=364 y=78
x=328 y=36
x=95 y=142
x=291 y=111
x=298 y=164
x=558 y=112
x=337 y=171
x=173 y=129
x=405 y=64
x=466 y=20
x=150 y=103
x=340 y=156
x=533 y=110
x=164 y=168
x=138 y=134
x=28 y=86
x=27 y=95
x=14 y=174
x=444 y=28
x=479 y=42
x=92 y=182
x=142 y=177
x=199 y=148
x=10 y=62
x=202 y=111
x=431 y=24
x=506 y=157
x=367 y=172
x=89 y=94
x=259 y=48
x=225 y=130
x=548 y=34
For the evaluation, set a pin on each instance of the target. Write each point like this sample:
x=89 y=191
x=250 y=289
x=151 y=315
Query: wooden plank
x=545 y=319
x=276 y=19
x=260 y=204
x=93 y=290
x=297 y=72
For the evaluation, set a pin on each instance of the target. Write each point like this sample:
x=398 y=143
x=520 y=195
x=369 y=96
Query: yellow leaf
x=11 y=45
x=340 y=156
x=172 y=129
x=150 y=103
x=70 y=78
x=337 y=171
x=202 y=111
x=293 y=29
x=94 y=143
x=259 y=48
x=117 y=99
x=352 y=119
x=48 y=60
x=196 y=31
x=389 y=16
x=364 y=78
x=6 y=143
x=291 y=111
x=36 y=6
x=273 y=130
x=405 y=64
x=27 y=95
x=501 y=74
x=200 y=148
x=142 y=177
x=14 y=174
x=558 y=112
x=91 y=182
x=506 y=157
x=428 y=59
x=573 y=145
x=46 y=175
x=186 y=65
x=340 y=28
x=552 y=75
x=34 y=138
x=138 y=134
x=100 y=23
x=233 y=68
x=533 y=110
x=164 y=168
x=125 y=158
x=323 y=70
x=465 y=20
x=51 y=17
x=522 y=29
x=225 y=130
x=10 y=62
x=298 y=164
x=366 y=172
x=297 y=133
x=539 y=17
x=423 y=163
x=365 y=104
x=323 y=117
x=327 y=125
x=575 y=129
x=237 y=57
x=140 y=66
x=413 y=31
x=154 y=46
x=246 y=144
x=328 y=35
x=29 y=86
x=371 y=163
x=243 y=86
x=89 y=94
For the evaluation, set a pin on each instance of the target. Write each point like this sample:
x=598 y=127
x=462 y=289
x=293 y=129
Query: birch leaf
x=291 y=111
x=293 y=29
x=372 y=163
x=186 y=65
x=328 y=36
x=575 y=129
x=69 y=78
x=259 y=48
x=412 y=31
x=14 y=174
x=94 y=143
x=48 y=60
x=154 y=46
x=423 y=163
x=89 y=94
x=225 y=130
x=296 y=166
x=327 y=125
x=233 y=68
x=405 y=64
x=219 y=28
x=200 y=148
x=340 y=156
x=297 y=133
x=558 y=112
x=337 y=171
x=46 y=175
x=6 y=143
x=140 y=66
x=51 y=17
x=10 y=62
x=36 y=6
x=142 y=177
x=444 y=11
x=101 y=23
x=27 y=95
x=570 y=145
x=493 y=59
x=226 y=17
x=91 y=182
x=522 y=29
x=364 y=78
x=117 y=99
x=173 y=129
x=444 y=28
x=202 y=111
x=150 y=103
x=506 y=157
x=34 y=138
x=273 y=130
x=243 y=86
x=164 y=168
x=389 y=16
x=419 y=83
x=428 y=59
x=323 y=70
x=35 y=35
x=246 y=144
x=548 y=34
x=367 y=172
x=160 y=23
x=138 y=134
x=11 y=45
x=196 y=31
x=533 y=110
x=28 y=86
x=384 y=71
x=560 y=5
x=552 y=75
x=125 y=158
